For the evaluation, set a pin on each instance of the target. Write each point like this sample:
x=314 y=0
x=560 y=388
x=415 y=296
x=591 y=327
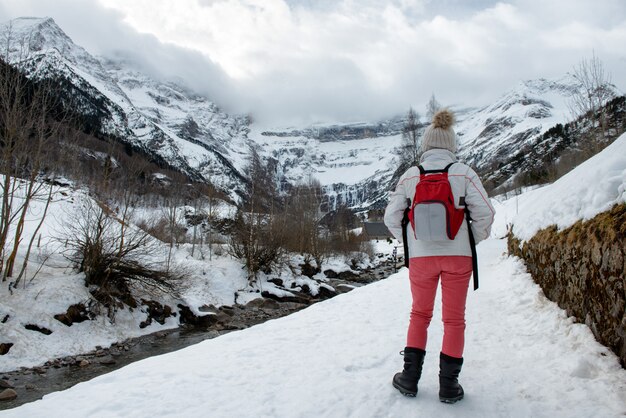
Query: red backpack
x=433 y=214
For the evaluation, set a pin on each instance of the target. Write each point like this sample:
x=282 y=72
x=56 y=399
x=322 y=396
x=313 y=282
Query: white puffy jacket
x=464 y=182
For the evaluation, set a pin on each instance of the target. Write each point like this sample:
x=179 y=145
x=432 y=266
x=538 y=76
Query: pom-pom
x=443 y=119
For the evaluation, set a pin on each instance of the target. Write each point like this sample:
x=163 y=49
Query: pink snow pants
x=424 y=272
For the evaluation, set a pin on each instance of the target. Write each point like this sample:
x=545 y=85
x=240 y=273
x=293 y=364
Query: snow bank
x=53 y=294
x=216 y=280
x=591 y=188
x=51 y=285
x=524 y=358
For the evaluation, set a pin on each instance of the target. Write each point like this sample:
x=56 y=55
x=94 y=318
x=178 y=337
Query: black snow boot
x=406 y=381
x=449 y=389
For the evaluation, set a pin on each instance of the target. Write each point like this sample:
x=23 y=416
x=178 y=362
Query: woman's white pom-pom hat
x=439 y=133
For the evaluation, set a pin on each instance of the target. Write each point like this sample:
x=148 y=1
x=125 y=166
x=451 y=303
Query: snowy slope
x=51 y=284
x=524 y=358
x=523 y=113
x=591 y=188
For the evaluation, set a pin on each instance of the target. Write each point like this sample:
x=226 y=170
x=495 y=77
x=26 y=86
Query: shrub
x=256 y=240
x=113 y=255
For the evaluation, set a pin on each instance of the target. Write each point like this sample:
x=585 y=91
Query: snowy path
x=524 y=358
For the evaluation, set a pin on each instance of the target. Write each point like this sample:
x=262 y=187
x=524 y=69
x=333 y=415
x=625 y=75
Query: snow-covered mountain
x=516 y=118
x=174 y=126
x=357 y=168
x=354 y=170
x=354 y=162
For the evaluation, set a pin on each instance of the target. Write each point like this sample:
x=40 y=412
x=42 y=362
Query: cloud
x=323 y=60
x=103 y=32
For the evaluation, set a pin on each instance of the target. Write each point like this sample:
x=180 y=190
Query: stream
x=32 y=384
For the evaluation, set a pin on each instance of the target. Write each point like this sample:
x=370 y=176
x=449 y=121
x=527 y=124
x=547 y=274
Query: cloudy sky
x=344 y=60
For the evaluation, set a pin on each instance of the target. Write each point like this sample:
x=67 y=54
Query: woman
x=448 y=259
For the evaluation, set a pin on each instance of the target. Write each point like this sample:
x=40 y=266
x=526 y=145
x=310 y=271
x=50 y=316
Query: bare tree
x=203 y=200
x=432 y=107
x=257 y=234
x=173 y=216
x=303 y=216
x=409 y=151
x=30 y=118
x=211 y=215
x=594 y=90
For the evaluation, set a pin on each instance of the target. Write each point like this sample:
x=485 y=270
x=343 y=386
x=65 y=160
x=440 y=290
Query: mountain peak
x=39 y=33
x=31 y=37
x=563 y=85
x=21 y=26
x=33 y=20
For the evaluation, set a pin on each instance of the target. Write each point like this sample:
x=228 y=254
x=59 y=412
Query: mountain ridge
x=355 y=163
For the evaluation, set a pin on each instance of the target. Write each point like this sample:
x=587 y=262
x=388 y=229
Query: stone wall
x=582 y=268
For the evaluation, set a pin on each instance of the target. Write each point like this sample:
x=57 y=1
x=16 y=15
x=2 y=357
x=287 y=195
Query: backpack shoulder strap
x=472 y=246
x=441 y=170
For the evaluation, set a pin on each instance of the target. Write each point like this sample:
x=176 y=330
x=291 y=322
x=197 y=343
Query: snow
x=51 y=289
x=52 y=294
x=524 y=357
x=541 y=97
x=348 y=162
x=217 y=281
x=591 y=188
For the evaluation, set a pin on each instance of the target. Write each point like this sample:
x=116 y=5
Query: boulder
x=344 y=288
x=277 y=281
x=200 y=321
x=263 y=303
x=5 y=384
x=296 y=298
x=108 y=361
x=308 y=270
x=348 y=275
x=33 y=327
x=325 y=292
x=4 y=348
x=8 y=395
x=228 y=310
x=208 y=308
x=156 y=311
x=75 y=314
x=331 y=274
